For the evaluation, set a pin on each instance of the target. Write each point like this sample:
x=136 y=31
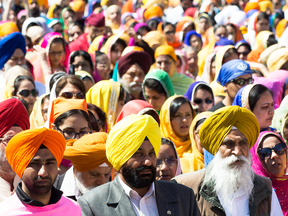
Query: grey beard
x=7 y=67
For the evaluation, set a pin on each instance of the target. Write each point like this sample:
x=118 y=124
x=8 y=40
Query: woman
x=38 y=115
x=109 y=96
x=24 y=88
x=201 y=96
x=81 y=60
x=75 y=30
x=157 y=87
x=272 y=164
x=113 y=18
x=169 y=30
x=176 y=117
x=68 y=87
x=99 y=115
x=192 y=38
x=203 y=23
x=233 y=33
x=168 y=163
x=283 y=76
x=102 y=64
x=86 y=78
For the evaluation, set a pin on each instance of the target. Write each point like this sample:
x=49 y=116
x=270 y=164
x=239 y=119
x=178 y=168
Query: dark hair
x=271 y=41
x=232 y=26
x=18 y=81
x=70 y=11
x=262 y=15
x=218 y=26
x=98 y=54
x=246 y=45
x=121 y=94
x=152 y=24
x=204 y=87
x=133 y=24
x=46 y=97
x=142 y=28
x=167 y=24
x=229 y=52
x=175 y=105
x=255 y=93
x=254 y=71
x=96 y=5
x=74 y=80
x=25 y=104
x=120 y=42
x=60 y=119
x=155 y=85
x=82 y=53
x=57 y=7
x=59 y=40
x=77 y=24
x=93 y=122
x=165 y=141
x=54 y=78
x=213 y=59
x=100 y=113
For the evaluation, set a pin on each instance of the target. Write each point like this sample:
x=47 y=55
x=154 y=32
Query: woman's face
x=203 y=25
x=203 y=99
x=70 y=88
x=116 y=53
x=27 y=85
x=82 y=64
x=74 y=33
x=56 y=53
x=262 y=25
x=197 y=140
x=181 y=122
x=44 y=109
x=154 y=98
x=169 y=33
x=275 y=164
x=103 y=67
x=195 y=42
x=114 y=15
x=264 y=110
x=231 y=33
x=165 y=172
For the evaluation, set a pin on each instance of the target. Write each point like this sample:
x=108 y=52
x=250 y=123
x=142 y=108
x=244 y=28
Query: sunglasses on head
x=26 y=92
x=242 y=81
x=279 y=149
x=199 y=101
x=69 y=95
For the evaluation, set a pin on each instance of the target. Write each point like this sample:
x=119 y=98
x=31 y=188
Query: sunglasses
x=242 y=81
x=69 y=95
x=199 y=101
x=26 y=92
x=243 y=53
x=279 y=149
x=168 y=161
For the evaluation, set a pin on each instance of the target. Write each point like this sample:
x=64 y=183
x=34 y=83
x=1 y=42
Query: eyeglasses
x=279 y=149
x=26 y=92
x=6 y=139
x=200 y=101
x=56 y=53
x=168 y=161
x=69 y=95
x=73 y=134
x=242 y=81
x=243 y=53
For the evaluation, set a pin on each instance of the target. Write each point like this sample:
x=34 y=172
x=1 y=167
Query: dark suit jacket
x=111 y=199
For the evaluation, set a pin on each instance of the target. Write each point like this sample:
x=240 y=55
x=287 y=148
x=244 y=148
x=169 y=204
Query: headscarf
x=277 y=59
x=50 y=11
x=281 y=26
x=114 y=25
x=7 y=28
x=36 y=118
x=216 y=127
x=251 y=6
x=153 y=11
x=128 y=135
x=39 y=21
x=279 y=184
x=105 y=94
x=238 y=19
x=167 y=130
x=96 y=44
x=155 y=38
x=96 y=20
x=165 y=50
x=190 y=12
x=124 y=16
x=264 y=5
x=88 y=152
x=9 y=44
x=224 y=42
x=189 y=35
x=13 y=112
x=267 y=52
x=192 y=90
x=24 y=145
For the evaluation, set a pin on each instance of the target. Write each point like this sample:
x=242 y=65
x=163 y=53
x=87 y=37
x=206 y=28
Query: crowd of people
x=143 y=107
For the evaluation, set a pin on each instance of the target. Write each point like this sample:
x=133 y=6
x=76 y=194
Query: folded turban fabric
x=9 y=44
x=155 y=38
x=13 y=112
x=233 y=69
x=24 y=145
x=165 y=50
x=125 y=62
x=277 y=59
x=78 y=6
x=127 y=136
x=251 y=6
x=264 y=5
x=216 y=127
x=87 y=153
x=96 y=20
x=153 y=11
x=7 y=28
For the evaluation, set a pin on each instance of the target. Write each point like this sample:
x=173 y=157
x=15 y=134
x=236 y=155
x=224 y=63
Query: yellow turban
x=165 y=50
x=277 y=59
x=24 y=145
x=78 y=6
x=264 y=5
x=88 y=152
x=8 y=28
x=127 y=136
x=155 y=38
x=216 y=127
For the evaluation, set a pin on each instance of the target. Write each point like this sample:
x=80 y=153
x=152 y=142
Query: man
x=132 y=69
x=131 y=148
x=95 y=26
x=192 y=61
x=35 y=156
x=166 y=60
x=174 y=15
x=228 y=186
x=90 y=165
x=233 y=75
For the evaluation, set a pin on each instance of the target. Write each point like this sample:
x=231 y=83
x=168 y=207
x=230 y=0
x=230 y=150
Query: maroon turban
x=13 y=112
x=96 y=20
x=143 y=59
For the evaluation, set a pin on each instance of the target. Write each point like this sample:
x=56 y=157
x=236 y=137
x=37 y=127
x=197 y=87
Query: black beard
x=132 y=177
x=37 y=189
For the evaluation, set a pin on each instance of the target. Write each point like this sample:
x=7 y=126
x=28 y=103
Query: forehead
x=135 y=68
x=235 y=134
x=43 y=154
x=18 y=52
x=146 y=145
x=163 y=58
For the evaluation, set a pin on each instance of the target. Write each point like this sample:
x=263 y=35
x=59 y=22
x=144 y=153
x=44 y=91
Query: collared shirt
x=145 y=205
x=5 y=188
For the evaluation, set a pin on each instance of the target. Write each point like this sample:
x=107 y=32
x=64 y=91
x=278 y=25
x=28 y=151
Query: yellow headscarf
x=36 y=118
x=128 y=135
x=107 y=47
x=50 y=11
x=277 y=59
x=167 y=131
x=129 y=49
x=219 y=124
x=105 y=94
x=40 y=3
x=261 y=38
x=95 y=44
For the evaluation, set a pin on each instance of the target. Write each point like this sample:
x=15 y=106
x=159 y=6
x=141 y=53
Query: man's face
x=140 y=170
x=34 y=8
x=18 y=58
x=95 y=31
x=166 y=63
x=186 y=4
x=40 y=174
x=192 y=61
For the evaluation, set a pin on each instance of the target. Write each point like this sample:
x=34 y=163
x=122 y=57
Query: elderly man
x=35 y=156
x=132 y=69
x=132 y=147
x=90 y=165
x=228 y=186
x=13 y=119
x=166 y=60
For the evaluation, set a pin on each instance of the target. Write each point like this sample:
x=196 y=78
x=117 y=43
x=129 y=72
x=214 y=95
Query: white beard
x=131 y=88
x=78 y=181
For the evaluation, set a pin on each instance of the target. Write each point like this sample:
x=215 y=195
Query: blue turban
x=233 y=69
x=9 y=44
x=188 y=36
x=224 y=42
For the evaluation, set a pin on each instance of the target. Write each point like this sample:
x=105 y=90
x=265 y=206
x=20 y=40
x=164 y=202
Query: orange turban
x=153 y=11
x=88 y=152
x=61 y=105
x=251 y=6
x=40 y=3
x=78 y=6
x=165 y=50
x=8 y=28
x=24 y=145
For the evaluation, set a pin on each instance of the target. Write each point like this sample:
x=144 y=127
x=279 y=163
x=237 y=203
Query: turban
x=78 y=6
x=7 y=28
x=9 y=44
x=13 y=112
x=216 y=127
x=264 y=5
x=61 y=105
x=190 y=12
x=155 y=38
x=189 y=35
x=129 y=49
x=153 y=11
x=87 y=153
x=127 y=136
x=251 y=6
x=125 y=62
x=233 y=69
x=277 y=59
x=96 y=20
x=40 y=3
x=24 y=145
x=166 y=50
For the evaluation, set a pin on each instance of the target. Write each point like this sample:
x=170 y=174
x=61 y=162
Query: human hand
x=41 y=52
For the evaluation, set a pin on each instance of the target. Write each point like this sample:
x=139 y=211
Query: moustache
x=139 y=169
x=132 y=84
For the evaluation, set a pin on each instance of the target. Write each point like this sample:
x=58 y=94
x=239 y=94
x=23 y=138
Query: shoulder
x=192 y=179
x=262 y=180
x=10 y=204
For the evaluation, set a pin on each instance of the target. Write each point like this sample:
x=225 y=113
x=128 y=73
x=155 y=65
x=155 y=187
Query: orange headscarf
x=24 y=145
x=88 y=152
x=251 y=6
x=239 y=36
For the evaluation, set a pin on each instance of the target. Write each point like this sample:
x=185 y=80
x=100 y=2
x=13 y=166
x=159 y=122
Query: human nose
x=273 y=155
x=237 y=150
x=147 y=160
x=163 y=166
x=42 y=172
x=101 y=180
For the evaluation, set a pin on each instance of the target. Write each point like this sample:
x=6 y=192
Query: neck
x=140 y=191
x=193 y=71
x=40 y=198
x=184 y=138
x=227 y=101
x=137 y=96
x=8 y=177
x=171 y=74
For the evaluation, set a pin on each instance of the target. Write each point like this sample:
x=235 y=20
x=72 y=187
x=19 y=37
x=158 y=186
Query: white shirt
x=5 y=187
x=174 y=15
x=68 y=185
x=143 y=206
